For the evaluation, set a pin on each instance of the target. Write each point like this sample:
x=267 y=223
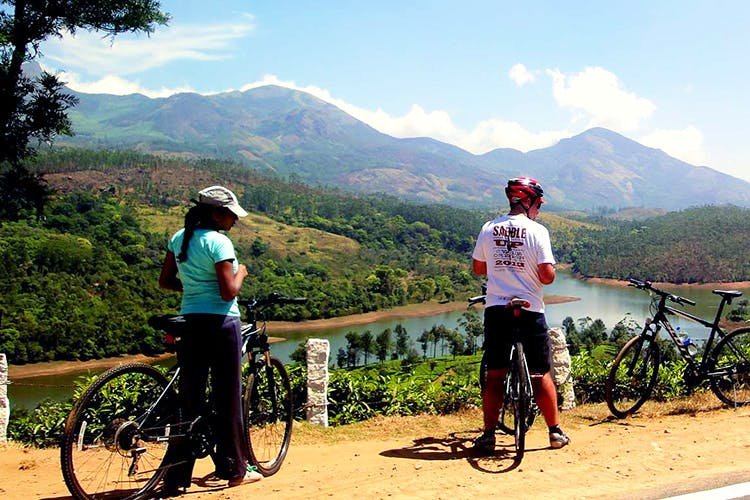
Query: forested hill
x=80 y=282
x=281 y=130
x=698 y=245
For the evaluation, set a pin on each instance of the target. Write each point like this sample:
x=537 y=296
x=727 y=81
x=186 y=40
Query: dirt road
x=656 y=454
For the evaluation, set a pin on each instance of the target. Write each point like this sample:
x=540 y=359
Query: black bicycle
x=725 y=362
x=115 y=439
x=519 y=408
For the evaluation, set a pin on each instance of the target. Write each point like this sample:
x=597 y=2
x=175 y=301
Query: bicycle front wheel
x=115 y=437
x=632 y=376
x=522 y=400
x=268 y=415
x=730 y=368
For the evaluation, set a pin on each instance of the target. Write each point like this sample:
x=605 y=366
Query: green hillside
x=697 y=245
x=80 y=282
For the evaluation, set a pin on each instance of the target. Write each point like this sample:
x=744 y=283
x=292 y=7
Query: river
x=611 y=303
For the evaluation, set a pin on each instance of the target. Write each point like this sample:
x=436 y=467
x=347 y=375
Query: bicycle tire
x=731 y=359
x=521 y=399
x=267 y=411
x=110 y=447
x=632 y=376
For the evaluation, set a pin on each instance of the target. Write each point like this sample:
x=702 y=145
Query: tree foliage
x=697 y=245
x=33 y=109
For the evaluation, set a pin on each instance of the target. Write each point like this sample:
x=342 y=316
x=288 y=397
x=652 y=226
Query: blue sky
x=478 y=74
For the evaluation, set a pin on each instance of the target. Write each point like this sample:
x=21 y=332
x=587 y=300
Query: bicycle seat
x=171 y=323
x=518 y=303
x=728 y=293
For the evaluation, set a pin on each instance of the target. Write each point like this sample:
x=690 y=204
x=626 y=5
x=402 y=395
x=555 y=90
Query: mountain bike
x=519 y=408
x=725 y=362
x=115 y=439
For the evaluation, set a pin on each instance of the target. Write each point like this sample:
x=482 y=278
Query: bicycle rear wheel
x=632 y=376
x=112 y=445
x=267 y=405
x=730 y=368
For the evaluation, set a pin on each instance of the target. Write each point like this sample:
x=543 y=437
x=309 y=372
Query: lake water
x=597 y=301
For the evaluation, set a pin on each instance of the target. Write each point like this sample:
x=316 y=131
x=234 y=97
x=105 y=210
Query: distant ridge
x=287 y=132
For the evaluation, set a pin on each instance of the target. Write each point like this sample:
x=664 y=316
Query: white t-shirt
x=513 y=246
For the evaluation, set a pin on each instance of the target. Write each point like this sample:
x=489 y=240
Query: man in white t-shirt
x=515 y=254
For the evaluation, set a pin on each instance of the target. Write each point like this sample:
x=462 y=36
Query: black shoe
x=170 y=491
x=485 y=444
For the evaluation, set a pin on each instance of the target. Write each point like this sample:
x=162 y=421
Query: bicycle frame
x=660 y=319
x=725 y=362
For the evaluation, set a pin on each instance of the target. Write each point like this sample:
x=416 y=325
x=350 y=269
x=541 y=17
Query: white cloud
x=594 y=97
x=598 y=97
x=131 y=54
x=521 y=75
x=437 y=124
x=115 y=85
x=417 y=122
x=685 y=144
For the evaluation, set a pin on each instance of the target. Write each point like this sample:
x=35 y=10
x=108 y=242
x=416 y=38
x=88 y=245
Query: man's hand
x=546 y=273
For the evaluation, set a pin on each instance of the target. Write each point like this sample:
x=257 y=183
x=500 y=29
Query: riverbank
x=408 y=311
x=733 y=285
x=50 y=368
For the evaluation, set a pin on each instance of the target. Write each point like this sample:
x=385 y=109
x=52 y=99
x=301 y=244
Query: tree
x=402 y=340
x=367 y=344
x=342 y=357
x=299 y=355
x=474 y=328
x=457 y=344
x=33 y=110
x=383 y=344
x=353 y=346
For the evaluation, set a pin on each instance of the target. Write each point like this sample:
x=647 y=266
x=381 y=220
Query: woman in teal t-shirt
x=201 y=263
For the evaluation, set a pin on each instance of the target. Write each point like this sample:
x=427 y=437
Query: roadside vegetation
x=79 y=279
x=413 y=384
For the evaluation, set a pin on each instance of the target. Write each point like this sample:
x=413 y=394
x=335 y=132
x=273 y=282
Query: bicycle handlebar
x=478 y=299
x=514 y=303
x=647 y=285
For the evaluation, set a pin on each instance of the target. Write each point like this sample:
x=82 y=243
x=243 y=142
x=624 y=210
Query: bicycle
x=725 y=362
x=519 y=408
x=115 y=439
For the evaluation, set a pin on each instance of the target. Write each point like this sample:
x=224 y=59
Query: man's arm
x=546 y=273
x=479 y=267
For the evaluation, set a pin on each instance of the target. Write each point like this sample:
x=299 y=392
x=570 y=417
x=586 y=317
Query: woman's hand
x=242 y=271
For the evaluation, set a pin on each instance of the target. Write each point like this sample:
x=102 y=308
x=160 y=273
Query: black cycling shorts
x=498 y=338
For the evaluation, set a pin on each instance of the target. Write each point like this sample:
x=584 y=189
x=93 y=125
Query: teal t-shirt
x=200 y=286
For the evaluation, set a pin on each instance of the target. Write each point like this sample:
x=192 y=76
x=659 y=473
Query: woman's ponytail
x=196 y=217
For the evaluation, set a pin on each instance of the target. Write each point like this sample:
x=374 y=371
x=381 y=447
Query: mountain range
x=289 y=132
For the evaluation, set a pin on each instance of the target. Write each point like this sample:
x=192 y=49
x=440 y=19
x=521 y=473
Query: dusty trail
x=650 y=456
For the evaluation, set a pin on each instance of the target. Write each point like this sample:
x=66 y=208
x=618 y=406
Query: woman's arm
x=168 y=278
x=229 y=282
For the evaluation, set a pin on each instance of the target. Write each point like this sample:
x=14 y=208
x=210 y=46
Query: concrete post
x=561 y=368
x=318 y=351
x=4 y=403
